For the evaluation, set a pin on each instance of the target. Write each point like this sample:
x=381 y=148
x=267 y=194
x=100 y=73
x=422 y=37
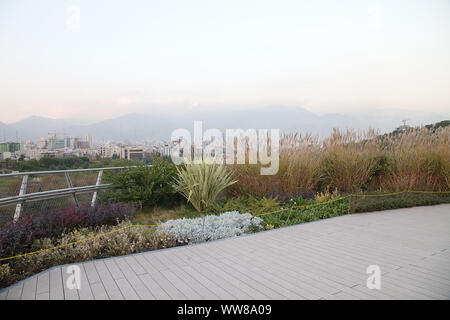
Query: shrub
x=285 y=198
x=17 y=237
x=245 y=204
x=201 y=183
x=326 y=195
x=301 y=215
x=148 y=186
x=228 y=224
x=121 y=239
x=299 y=201
x=5 y=273
x=368 y=204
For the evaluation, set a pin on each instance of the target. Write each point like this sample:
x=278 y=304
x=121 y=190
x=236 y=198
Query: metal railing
x=23 y=197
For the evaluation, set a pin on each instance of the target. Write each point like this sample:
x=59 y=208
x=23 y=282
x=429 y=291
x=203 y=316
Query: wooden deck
x=321 y=260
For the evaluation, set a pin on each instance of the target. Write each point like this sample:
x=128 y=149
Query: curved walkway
x=326 y=259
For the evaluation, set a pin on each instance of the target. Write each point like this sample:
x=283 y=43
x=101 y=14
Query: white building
x=109 y=151
x=5 y=155
x=132 y=153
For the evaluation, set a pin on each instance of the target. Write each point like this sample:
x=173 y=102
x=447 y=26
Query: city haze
x=356 y=58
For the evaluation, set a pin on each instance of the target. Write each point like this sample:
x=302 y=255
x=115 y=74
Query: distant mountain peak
x=141 y=126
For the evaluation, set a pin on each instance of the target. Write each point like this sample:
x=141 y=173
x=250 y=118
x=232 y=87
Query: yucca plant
x=201 y=183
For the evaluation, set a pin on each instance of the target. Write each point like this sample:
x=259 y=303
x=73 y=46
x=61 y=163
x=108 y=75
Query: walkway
x=321 y=260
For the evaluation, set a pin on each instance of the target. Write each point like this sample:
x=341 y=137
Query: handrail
x=23 y=197
x=51 y=194
x=60 y=171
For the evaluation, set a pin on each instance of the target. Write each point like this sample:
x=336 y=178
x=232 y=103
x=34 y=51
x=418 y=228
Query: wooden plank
x=43 y=283
x=3 y=294
x=148 y=263
x=91 y=272
x=15 y=292
x=126 y=289
x=107 y=280
x=43 y=296
x=85 y=291
x=113 y=269
x=178 y=283
x=319 y=260
x=133 y=279
x=56 y=284
x=29 y=289
x=137 y=268
x=153 y=287
x=204 y=292
x=218 y=290
x=98 y=291
x=235 y=281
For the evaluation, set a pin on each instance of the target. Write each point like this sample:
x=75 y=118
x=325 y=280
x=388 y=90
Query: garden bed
x=117 y=231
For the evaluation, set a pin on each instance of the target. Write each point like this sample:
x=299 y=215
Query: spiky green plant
x=201 y=183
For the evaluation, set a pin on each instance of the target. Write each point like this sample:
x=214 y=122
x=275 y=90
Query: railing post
x=69 y=183
x=99 y=181
x=23 y=190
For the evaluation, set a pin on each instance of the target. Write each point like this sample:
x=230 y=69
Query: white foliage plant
x=211 y=227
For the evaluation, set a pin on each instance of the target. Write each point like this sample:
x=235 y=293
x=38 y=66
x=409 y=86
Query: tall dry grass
x=419 y=160
x=352 y=161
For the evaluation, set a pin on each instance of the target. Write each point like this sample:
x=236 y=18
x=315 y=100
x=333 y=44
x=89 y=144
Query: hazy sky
x=168 y=56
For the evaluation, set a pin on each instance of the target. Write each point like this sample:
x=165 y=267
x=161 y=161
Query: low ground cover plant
x=212 y=227
x=245 y=204
x=373 y=202
x=299 y=210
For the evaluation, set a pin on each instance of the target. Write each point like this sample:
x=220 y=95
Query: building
x=109 y=151
x=81 y=144
x=88 y=139
x=9 y=147
x=55 y=143
x=67 y=143
x=48 y=154
x=5 y=155
x=165 y=150
x=32 y=153
x=132 y=153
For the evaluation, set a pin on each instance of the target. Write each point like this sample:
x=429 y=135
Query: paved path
x=321 y=260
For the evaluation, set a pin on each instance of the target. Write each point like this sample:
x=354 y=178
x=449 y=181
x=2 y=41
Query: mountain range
x=152 y=127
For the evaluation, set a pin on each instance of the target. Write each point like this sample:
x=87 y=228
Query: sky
x=93 y=60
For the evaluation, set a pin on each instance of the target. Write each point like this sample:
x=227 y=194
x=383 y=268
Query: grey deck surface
x=321 y=260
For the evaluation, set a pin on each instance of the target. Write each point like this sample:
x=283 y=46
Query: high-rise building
x=67 y=142
x=88 y=139
x=80 y=144
x=9 y=146
x=55 y=143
